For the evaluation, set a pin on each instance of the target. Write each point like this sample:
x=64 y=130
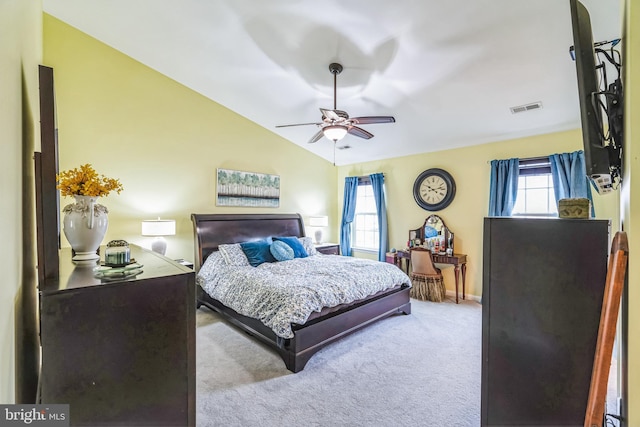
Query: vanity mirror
x=433 y=235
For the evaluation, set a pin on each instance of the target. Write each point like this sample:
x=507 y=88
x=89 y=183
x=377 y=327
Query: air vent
x=526 y=107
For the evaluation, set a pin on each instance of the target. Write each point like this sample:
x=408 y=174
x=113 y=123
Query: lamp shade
x=335 y=132
x=319 y=221
x=158 y=227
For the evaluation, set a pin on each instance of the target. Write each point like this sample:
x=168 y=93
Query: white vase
x=85 y=224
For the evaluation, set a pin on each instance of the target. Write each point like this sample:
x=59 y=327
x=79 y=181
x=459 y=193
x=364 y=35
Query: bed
x=325 y=327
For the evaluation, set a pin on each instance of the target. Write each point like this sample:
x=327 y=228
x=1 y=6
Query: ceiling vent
x=526 y=107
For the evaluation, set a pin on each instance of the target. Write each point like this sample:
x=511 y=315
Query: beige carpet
x=418 y=370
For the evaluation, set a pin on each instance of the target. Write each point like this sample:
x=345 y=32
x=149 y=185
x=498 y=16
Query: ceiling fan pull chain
x=334 y=153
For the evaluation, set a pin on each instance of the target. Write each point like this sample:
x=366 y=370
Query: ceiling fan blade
x=366 y=120
x=332 y=115
x=317 y=137
x=298 y=124
x=359 y=132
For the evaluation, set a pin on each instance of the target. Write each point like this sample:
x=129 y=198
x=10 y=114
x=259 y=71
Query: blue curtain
x=348 y=213
x=569 y=176
x=377 y=182
x=504 y=186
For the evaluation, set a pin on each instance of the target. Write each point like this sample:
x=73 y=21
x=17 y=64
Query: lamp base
x=159 y=245
x=318 y=235
x=85 y=256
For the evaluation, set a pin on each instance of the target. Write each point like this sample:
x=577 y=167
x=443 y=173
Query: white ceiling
x=448 y=70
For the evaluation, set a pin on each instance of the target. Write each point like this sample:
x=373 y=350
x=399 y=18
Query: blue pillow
x=298 y=250
x=257 y=252
x=281 y=251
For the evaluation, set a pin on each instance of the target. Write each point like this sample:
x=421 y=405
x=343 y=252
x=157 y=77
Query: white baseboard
x=475 y=298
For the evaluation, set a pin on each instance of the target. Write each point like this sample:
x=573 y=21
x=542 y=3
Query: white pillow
x=307 y=243
x=233 y=255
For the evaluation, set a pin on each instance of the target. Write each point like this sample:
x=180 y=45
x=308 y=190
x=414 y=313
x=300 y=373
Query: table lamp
x=159 y=228
x=318 y=221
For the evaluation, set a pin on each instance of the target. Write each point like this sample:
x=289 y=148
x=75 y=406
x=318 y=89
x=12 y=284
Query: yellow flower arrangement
x=86 y=182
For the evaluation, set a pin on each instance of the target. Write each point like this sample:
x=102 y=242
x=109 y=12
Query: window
x=536 y=195
x=365 y=233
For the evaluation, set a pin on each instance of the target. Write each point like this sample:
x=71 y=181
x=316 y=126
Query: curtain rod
x=535 y=159
x=529 y=159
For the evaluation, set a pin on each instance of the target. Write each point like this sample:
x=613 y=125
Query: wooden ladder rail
x=616 y=273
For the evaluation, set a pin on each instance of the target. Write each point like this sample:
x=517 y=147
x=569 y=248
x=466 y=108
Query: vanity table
x=459 y=262
x=434 y=230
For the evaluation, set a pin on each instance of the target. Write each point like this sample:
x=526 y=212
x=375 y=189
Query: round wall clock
x=434 y=189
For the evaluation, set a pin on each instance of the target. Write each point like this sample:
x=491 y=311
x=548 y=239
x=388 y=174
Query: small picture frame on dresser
x=328 y=248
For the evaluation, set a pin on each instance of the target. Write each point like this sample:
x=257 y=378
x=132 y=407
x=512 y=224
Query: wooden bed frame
x=212 y=230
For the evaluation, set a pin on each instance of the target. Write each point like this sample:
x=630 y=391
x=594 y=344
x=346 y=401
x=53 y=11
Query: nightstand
x=328 y=248
x=392 y=258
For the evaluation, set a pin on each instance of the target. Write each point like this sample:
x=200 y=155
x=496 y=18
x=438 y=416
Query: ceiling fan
x=336 y=123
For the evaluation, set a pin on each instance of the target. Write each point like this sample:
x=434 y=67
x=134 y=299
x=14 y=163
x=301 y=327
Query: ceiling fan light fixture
x=335 y=132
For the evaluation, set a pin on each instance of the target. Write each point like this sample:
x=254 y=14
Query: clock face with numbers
x=434 y=189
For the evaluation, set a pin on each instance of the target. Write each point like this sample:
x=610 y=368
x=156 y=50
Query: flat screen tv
x=600 y=107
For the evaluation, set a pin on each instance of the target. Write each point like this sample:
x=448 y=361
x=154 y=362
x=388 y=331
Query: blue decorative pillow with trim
x=281 y=251
x=298 y=250
x=257 y=252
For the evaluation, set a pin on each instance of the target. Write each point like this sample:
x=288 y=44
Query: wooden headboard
x=211 y=230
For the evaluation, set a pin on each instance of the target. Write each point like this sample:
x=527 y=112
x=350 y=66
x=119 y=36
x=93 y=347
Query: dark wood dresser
x=120 y=352
x=542 y=291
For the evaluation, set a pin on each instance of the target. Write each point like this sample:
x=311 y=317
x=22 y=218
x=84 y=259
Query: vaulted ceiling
x=448 y=71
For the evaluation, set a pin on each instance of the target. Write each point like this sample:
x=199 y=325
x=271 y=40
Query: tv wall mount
x=610 y=101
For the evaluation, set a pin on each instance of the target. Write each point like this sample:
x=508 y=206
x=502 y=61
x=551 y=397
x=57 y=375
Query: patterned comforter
x=282 y=293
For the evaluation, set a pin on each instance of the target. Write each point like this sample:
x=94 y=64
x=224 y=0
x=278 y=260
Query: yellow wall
x=464 y=216
x=20 y=53
x=630 y=200
x=164 y=142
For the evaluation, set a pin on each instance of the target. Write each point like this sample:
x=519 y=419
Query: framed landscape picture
x=248 y=189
